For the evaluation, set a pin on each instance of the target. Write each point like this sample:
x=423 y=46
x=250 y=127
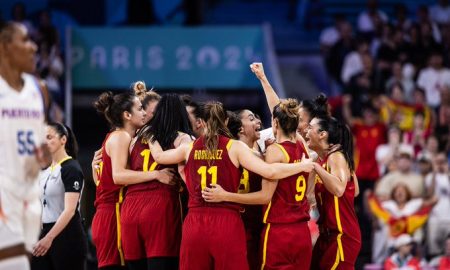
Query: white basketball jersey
x=22 y=129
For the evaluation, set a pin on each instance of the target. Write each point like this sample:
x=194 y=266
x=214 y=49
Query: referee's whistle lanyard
x=50 y=175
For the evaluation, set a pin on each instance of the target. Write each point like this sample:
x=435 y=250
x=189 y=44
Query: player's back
x=142 y=160
x=204 y=168
x=289 y=203
x=22 y=130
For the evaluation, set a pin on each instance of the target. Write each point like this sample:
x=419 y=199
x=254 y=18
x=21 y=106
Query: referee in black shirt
x=62 y=243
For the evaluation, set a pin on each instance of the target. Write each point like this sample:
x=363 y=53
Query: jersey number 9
x=301 y=188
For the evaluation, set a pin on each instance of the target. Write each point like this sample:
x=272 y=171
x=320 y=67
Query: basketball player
x=340 y=237
x=21 y=146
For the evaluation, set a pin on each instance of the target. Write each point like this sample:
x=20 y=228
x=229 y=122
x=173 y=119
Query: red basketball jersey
x=289 y=203
x=251 y=182
x=107 y=192
x=337 y=214
x=142 y=160
x=204 y=168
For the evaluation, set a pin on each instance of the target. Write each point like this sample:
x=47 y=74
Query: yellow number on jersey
x=146 y=154
x=244 y=185
x=301 y=188
x=98 y=171
x=212 y=171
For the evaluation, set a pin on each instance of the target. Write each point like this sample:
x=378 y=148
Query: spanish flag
x=399 y=225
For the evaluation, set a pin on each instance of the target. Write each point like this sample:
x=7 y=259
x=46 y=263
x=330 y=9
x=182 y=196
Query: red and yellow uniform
x=252 y=217
x=151 y=212
x=105 y=225
x=286 y=237
x=367 y=139
x=340 y=237
x=213 y=233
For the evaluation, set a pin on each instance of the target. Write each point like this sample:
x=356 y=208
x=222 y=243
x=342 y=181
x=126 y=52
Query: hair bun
x=290 y=107
x=104 y=101
x=321 y=100
x=139 y=88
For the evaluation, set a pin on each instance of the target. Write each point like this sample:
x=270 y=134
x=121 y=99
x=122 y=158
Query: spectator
x=370 y=19
x=420 y=104
x=433 y=79
x=424 y=165
x=403 y=257
x=402 y=74
x=353 y=61
x=424 y=17
x=404 y=175
x=440 y=13
x=335 y=58
x=431 y=148
x=428 y=41
x=438 y=184
x=395 y=111
x=369 y=133
x=418 y=135
x=386 y=153
x=330 y=35
x=361 y=85
x=50 y=67
x=401 y=20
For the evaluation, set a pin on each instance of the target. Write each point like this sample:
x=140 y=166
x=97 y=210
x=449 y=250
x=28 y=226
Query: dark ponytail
x=113 y=106
x=347 y=145
x=339 y=133
x=71 y=145
x=169 y=119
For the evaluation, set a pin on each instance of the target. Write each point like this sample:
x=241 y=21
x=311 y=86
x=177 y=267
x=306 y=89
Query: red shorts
x=151 y=224
x=286 y=246
x=213 y=238
x=327 y=254
x=252 y=218
x=104 y=236
x=253 y=242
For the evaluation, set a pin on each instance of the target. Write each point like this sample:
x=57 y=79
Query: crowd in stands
x=392 y=83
